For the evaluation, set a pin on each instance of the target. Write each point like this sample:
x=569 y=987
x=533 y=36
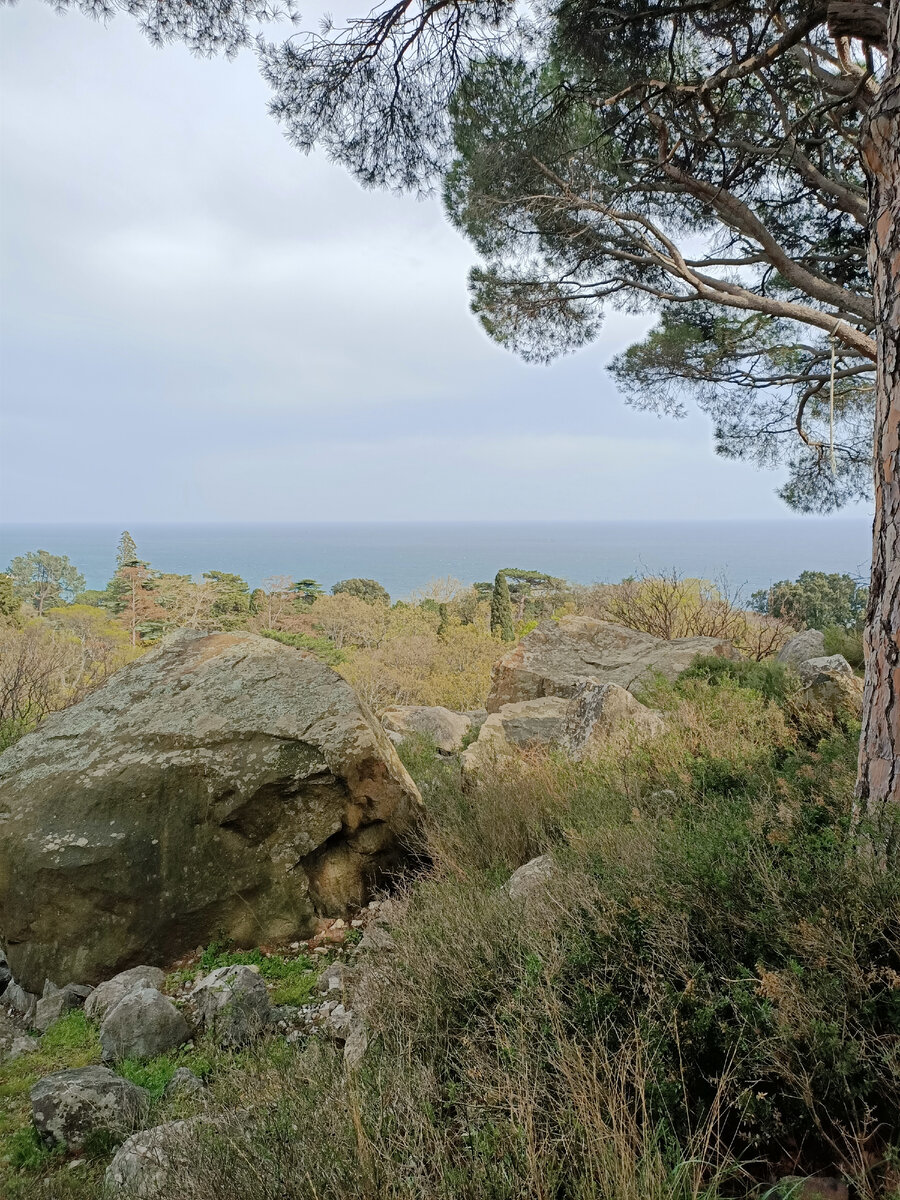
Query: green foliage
x=294 y=978
x=307 y=590
x=24 y=1151
x=848 y=642
x=772 y=679
x=321 y=647
x=815 y=600
x=501 y=610
x=9 y=604
x=369 y=590
x=126 y=551
x=231 y=605
x=44 y=580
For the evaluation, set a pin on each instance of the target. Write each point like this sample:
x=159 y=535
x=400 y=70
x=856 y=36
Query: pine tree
x=501 y=609
x=126 y=554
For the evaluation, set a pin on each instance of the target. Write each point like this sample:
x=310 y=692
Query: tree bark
x=878 y=785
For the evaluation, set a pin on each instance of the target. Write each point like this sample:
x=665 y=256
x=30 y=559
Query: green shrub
x=321 y=647
x=848 y=642
x=770 y=678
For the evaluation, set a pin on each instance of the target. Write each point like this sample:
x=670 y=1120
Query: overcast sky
x=199 y=323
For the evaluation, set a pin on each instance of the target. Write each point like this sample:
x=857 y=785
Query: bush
x=848 y=642
x=672 y=606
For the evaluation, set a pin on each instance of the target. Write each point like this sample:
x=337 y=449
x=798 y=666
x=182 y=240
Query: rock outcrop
x=445 y=727
x=222 y=784
x=554 y=658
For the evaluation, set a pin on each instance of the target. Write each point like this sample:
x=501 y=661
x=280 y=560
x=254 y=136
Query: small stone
x=20 y=1001
x=19 y=1047
x=375 y=938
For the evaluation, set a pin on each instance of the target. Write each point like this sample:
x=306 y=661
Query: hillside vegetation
x=702 y=999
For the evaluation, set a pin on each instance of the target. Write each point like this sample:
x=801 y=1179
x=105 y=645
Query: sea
x=403 y=557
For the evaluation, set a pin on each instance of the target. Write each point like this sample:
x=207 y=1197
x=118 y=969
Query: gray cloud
x=200 y=323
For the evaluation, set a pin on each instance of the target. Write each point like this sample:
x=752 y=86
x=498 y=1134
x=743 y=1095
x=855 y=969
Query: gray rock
x=356 y=1044
x=19 y=1047
x=53 y=1005
x=21 y=1002
x=809 y=643
x=233 y=1003
x=68 y=1106
x=375 y=938
x=835 y=692
x=5 y=974
x=143 y=1024
x=445 y=727
x=339 y=1022
x=184 y=1083
x=153 y=1162
x=812 y=669
x=477 y=716
x=530 y=878
x=604 y=715
x=217 y=767
x=108 y=994
x=540 y=722
x=337 y=977
x=556 y=656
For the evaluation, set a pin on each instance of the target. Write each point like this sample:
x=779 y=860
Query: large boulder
x=223 y=784
x=808 y=643
x=554 y=658
x=446 y=728
x=68 y=1106
x=143 y=1024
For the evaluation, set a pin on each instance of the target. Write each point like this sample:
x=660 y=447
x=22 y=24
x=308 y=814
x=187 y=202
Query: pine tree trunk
x=879 y=752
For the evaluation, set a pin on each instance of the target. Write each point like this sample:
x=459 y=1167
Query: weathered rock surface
x=143 y=1024
x=445 y=727
x=151 y=1162
x=108 y=994
x=556 y=656
x=184 y=1083
x=68 y=1106
x=538 y=722
x=811 y=668
x=20 y=1001
x=809 y=643
x=233 y=1003
x=835 y=692
x=604 y=715
x=222 y=784
x=530 y=878
x=53 y=1005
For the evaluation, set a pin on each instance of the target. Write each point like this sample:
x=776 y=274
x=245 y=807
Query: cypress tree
x=501 y=609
